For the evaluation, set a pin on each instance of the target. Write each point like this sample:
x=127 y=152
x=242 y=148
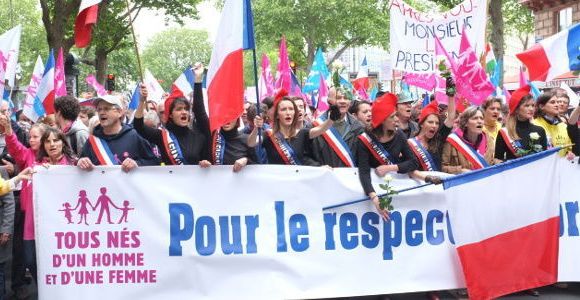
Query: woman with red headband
x=520 y=137
x=383 y=147
x=178 y=144
x=285 y=144
x=427 y=145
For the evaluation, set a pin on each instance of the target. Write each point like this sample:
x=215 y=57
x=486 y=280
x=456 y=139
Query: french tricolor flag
x=553 y=56
x=44 y=99
x=362 y=77
x=507 y=237
x=183 y=85
x=225 y=76
x=87 y=17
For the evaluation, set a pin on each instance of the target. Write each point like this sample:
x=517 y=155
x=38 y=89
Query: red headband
x=431 y=109
x=517 y=97
x=383 y=108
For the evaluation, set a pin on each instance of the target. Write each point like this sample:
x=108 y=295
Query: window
x=564 y=18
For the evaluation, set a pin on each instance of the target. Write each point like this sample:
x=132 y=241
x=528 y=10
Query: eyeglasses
x=106 y=108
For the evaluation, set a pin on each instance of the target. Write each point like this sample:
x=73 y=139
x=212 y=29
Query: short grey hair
x=467 y=114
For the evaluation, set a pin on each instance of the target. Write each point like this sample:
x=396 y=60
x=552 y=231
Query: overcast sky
x=148 y=23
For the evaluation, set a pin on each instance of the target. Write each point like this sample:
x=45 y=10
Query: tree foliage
x=169 y=52
x=112 y=31
x=309 y=24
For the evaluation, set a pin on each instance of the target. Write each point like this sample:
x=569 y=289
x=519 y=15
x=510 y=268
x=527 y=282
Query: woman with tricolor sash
x=228 y=145
x=559 y=132
x=285 y=144
x=520 y=137
x=178 y=143
x=466 y=148
x=427 y=145
x=383 y=147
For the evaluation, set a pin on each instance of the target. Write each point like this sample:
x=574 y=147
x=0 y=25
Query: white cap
x=111 y=99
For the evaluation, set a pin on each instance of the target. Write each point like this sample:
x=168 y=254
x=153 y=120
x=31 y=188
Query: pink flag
x=92 y=81
x=470 y=77
x=523 y=80
x=440 y=51
x=424 y=81
x=59 y=80
x=507 y=95
x=322 y=104
x=363 y=93
x=440 y=94
x=266 y=81
x=284 y=79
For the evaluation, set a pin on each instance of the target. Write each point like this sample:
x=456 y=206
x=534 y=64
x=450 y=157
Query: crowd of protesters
x=393 y=134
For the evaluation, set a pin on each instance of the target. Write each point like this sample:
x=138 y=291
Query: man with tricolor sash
x=114 y=143
x=336 y=146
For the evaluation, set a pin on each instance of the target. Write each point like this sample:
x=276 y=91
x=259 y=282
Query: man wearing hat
x=404 y=107
x=115 y=143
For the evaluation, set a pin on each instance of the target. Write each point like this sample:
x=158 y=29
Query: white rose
x=388 y=178
x=337 y=64
x=534 y=136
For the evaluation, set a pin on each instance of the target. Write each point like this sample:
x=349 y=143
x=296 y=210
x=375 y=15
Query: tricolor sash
x=377 y=150
x=102 y=151
x=476 y=160
x=336 y=143
x=423 y=156
x=171 y=146
x=283 y=148
x=513 y=145
x=218 y=148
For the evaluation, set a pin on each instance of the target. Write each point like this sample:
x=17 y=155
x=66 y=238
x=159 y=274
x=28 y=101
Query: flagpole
x=139 y=66
x=256 y=82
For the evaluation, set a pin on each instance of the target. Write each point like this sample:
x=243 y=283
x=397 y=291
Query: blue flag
x=345 y=83
x=495 y=77
x=535 y=91
x=318 y=68
x=426 y=100
x=135 y=98
x=373 y=94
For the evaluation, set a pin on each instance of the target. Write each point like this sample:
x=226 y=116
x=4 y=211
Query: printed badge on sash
x=171 y=146
x=377 y=150
x=285 y=151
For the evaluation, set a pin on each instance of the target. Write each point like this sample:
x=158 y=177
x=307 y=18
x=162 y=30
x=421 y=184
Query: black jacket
x=324 y=154
x=236 y=143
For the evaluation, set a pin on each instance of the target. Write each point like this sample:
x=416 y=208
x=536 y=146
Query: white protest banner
x=189 y=233
x=412 y=33
x=569 y=260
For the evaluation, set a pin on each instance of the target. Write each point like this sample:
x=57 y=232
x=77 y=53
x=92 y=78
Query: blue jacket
x=126 y=143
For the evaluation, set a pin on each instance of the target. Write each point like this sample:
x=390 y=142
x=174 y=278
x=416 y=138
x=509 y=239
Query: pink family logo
x=103 y=203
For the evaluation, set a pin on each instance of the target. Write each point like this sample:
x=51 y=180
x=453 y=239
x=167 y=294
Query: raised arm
x=253 y=137
x=333 y=115
x=451 y=112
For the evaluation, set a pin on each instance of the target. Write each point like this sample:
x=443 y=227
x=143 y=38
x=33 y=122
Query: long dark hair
x=66 y=149
x=276 y=122
x=542 y=100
